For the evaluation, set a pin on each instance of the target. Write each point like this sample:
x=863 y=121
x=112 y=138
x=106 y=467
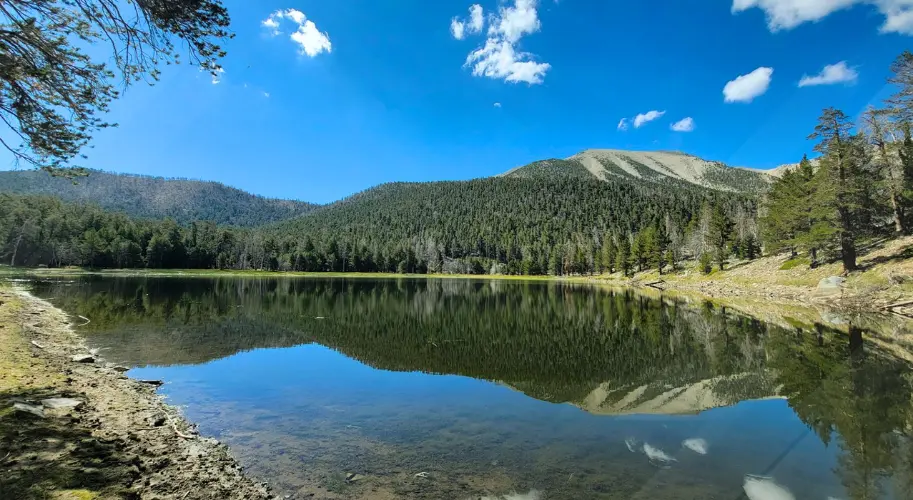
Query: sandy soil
x=121 y=441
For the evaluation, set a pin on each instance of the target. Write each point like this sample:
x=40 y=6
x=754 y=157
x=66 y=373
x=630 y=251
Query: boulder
x=83 y=358
x=61 y=403
x=34 y=410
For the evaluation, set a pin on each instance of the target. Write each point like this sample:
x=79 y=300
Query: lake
x=468 y=389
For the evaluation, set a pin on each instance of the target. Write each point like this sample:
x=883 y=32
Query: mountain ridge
x=184 y=200
x=652 y=166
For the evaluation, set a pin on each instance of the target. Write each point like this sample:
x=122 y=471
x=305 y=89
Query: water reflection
x=695 y=393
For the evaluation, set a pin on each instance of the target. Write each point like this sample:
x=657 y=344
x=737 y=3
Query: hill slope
x=157 y=197
x=540 y=221
x=650 y=166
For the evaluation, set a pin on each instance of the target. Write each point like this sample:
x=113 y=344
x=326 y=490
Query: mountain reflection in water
x=646 y=374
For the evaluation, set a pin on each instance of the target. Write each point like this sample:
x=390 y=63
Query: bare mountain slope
x=654 y=166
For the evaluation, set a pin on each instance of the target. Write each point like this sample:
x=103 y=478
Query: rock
x=159 y=420
x=156 y=383
x=353 y=477
x=34 y=410
x=83 y=358
x=121 y=369
x=61 y=403
x=833 y=318
x=829 y=287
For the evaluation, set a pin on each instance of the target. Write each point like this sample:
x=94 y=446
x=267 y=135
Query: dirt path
x=120 y=440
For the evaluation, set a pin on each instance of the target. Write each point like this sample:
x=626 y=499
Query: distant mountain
x=648 y=166
x=156 y=197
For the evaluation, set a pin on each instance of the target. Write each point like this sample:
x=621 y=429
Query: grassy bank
x=885 y=276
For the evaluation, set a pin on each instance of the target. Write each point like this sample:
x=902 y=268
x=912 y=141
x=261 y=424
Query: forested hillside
x=155 y=197
x=499 y=225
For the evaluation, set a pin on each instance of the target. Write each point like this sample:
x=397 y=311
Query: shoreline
x=81 y=430
x=717 y=287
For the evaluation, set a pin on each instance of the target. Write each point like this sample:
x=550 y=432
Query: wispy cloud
x=457 y=28
x=683 y=125
x=623 y=124
x=474 y=24
x=497 y=104
x=831 y=74
x=476 y=18
x=787 y=14
x=746 y=88
x=310 y=40
x=645 y=118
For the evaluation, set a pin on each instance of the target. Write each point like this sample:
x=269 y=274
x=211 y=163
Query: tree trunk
x=848 y=250
x=16 y=249
x=898 y=214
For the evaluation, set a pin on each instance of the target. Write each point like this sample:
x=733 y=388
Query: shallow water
x=467 y=389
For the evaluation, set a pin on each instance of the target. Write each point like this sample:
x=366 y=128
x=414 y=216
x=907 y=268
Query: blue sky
x=392 y=98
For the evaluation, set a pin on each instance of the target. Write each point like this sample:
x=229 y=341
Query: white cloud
x=499 y=57
x=645 y=118
x=514 y=22
x=683 y=125
x=476 y=19
x=746 y=87
x=457 y=28
x=830 y=75
x=497 y=104
x=473 y=25
x=787 y=14
x=311 y=41
x=266 y=95
x=272 y=24
x=498 y=60
x=623 y=124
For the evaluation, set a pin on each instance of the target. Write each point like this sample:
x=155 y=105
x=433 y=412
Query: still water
x=458 y=389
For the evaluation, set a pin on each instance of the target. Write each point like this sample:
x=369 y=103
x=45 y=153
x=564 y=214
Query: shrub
x=794 y=263
x=705 y=264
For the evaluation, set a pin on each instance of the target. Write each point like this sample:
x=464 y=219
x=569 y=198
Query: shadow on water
x=659 y=399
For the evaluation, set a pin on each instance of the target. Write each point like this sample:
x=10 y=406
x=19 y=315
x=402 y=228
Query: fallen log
x=897 y=304
x=656 y=284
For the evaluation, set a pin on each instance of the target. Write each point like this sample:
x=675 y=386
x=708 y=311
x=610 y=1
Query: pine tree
x=832 y=132
x=888 y=164
x=720 y=234
x=622 y=256
x=608 y=254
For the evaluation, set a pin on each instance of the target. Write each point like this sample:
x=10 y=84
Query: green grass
x=794 y=263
